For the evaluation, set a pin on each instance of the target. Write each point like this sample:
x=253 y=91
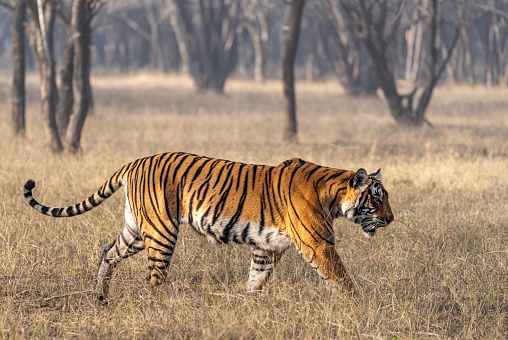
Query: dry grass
x=439 y=271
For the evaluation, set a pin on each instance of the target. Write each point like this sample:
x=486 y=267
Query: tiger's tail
x=107 y=189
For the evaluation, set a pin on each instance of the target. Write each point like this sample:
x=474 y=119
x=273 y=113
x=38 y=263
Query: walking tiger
x=267 y=207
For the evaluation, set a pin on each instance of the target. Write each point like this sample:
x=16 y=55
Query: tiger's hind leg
x=128 y=243
x=160 y=245
x=261 y=267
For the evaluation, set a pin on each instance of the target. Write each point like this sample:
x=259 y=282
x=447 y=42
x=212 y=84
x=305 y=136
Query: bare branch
x=437 y=70
x=44 y=35
x=392 y=25
x=6 y=5
x=64 y=14
x=491 y=9
x=135 y=27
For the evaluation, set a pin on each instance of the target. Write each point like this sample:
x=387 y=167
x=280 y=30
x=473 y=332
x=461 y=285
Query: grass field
x=440 y=270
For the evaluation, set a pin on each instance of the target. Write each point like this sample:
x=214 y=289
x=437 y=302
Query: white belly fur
x=266 y=237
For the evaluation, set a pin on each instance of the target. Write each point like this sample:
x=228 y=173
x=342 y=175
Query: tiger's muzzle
x=370 y=225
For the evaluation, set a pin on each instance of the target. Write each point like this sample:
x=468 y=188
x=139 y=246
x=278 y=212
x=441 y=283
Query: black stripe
x=92 y=201
x=77 y=207
x=264 y=262
x=254 y=171
x=229 y=177
x=190 y=208
x=135 y=249
x=262 y=212
x=162 y=252
x=202 y=222
x=275 y=198
x=155 y=207
x=223 y=166
x=223 y=198
x=198 y=170
x=164 y=178
x=206 y=185
x=178 y=166
x=111 y=188
x=245 y=232
x=183 y=177
x=262 y=269
x=239 y=177
x=236 y=216
x=158 y=260
x=307 y=229
x=156 y=241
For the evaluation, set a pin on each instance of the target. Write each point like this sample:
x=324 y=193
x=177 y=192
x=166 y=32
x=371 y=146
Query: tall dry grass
x=439 y=271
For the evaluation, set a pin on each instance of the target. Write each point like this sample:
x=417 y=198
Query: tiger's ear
x=377 y=175
x=360 y=180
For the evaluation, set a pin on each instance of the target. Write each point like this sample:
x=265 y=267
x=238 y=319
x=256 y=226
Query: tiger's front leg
x=325 y=259
x=261 y=268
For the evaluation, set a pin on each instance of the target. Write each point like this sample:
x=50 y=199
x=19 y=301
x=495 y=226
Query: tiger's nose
x=389 y=219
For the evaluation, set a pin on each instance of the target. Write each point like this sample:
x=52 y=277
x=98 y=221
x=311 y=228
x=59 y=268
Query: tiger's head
x=366 y=202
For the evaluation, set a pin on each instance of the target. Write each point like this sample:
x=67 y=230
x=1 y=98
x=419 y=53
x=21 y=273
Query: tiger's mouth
x=369 y=230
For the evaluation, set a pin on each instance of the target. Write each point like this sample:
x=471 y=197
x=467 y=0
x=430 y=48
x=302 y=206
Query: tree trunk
x=18 y=69
x=190 y=40
x=414 y=40
x=288 y=65
x=181 y=42
x=65 y=94
x=80 y=23
x=42 y=15
x=154 y=37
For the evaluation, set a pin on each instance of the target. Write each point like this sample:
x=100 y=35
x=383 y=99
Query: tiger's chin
x=369 y=231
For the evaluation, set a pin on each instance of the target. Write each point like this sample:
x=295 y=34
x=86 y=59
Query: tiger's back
x=267 y=207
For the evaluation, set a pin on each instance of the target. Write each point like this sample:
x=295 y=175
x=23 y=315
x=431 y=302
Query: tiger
x=267 y=207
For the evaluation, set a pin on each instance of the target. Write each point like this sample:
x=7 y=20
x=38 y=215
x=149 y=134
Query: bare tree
x=493 y=39
x=377 y=29
x=75 y=72
x=18 y=68
x=82 y=14
x=40 y=33
x=208 y=30
x=151 y=31
x=288 y=65
x=338 y=47
x=255 y=20
x=65 y=75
